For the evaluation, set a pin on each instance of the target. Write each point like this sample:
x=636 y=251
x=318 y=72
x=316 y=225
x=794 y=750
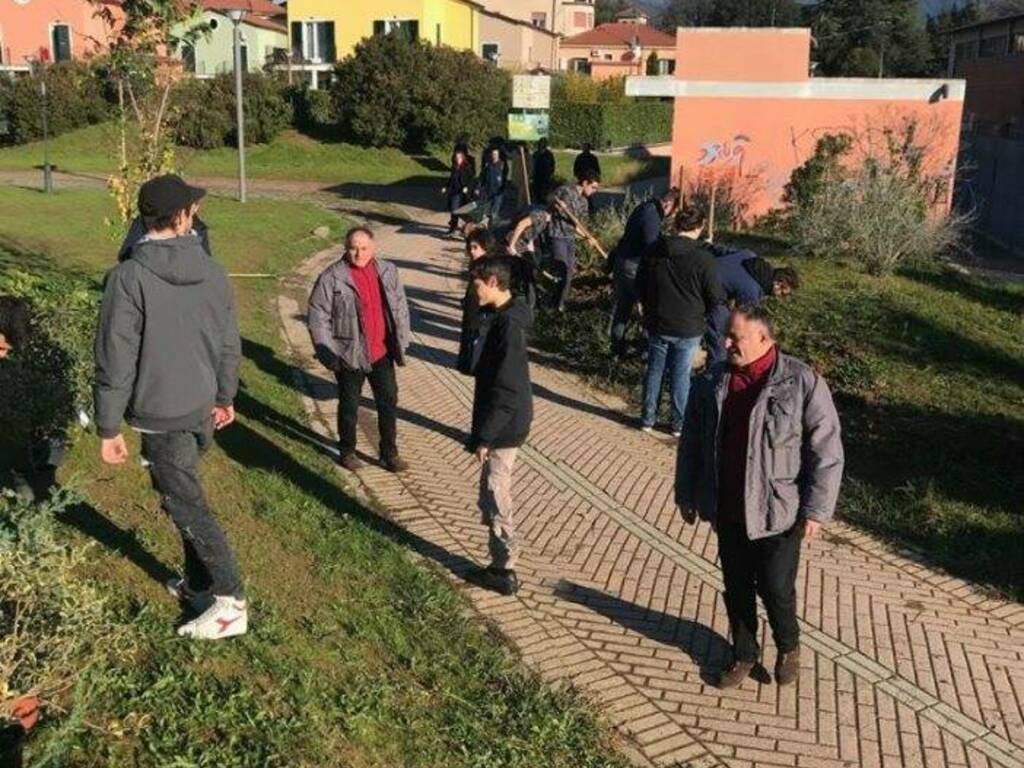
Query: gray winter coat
x=167 y=346
x=336 y=325
x=794 y=457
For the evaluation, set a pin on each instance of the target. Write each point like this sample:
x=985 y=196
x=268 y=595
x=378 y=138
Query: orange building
x=623 y=47
x=746 y=108
x=51 y=30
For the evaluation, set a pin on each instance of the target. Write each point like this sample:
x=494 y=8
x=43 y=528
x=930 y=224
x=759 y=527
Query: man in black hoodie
x=677 y=286
x=167 y=356
x=502 y=410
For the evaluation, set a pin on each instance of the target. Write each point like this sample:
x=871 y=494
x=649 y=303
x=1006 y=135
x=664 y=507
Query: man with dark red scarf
x=761 y=459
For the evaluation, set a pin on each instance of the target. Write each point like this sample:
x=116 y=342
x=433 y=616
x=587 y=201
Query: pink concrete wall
x=749 y=55
x=25 y=29
x=757 y=143
x=748 y=112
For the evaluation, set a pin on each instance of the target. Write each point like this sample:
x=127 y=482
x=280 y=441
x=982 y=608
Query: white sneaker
x=646 y=430
x=227 y=617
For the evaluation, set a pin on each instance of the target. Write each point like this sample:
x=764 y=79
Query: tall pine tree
x=870 y=38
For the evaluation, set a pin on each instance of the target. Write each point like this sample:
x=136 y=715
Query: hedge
x=75 y=98
x=610 y=125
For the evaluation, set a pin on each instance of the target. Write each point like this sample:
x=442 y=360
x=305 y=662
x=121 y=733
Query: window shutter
x=379 y=29
x=297 y=40
x=327 y=47
x=414 y=30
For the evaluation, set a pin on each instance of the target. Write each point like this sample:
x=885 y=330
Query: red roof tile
x=621 y=33
x=260 y=7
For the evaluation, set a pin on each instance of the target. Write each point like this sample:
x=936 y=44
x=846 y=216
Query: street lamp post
x=47 y=172
x=236 y=16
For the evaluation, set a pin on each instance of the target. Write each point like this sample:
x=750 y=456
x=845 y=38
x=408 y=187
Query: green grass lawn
x=358 y=655
x=292 y=156
x=928 y=371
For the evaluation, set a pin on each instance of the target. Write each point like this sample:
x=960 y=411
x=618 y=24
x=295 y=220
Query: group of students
x=760 y=457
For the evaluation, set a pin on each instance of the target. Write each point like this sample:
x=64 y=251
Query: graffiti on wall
x=723 y=153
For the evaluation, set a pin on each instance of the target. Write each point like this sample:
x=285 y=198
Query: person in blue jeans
x=677 y=286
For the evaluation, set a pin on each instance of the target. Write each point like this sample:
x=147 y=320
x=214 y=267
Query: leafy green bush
x=197 y=123
x=51 y=619
x=47 y=383
x=393 y=92
x=315 y=111
x=607 y=125
x=205 y=110
x=74 y=98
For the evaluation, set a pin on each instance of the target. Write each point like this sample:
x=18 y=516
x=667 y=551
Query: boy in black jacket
x=502 y=411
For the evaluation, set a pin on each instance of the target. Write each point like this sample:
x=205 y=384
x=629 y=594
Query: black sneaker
x=351 y=462
x=500 y=580
x=394 y=464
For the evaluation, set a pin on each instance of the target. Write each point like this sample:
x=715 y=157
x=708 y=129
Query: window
x=243 y=49
x=407 y=29
x=1017 y=44
x=581 y=19
x=993 y=46
x=214 y=23
x=666 y=67
x=491 y=52
x=188 y=58
x=61 y=42
x=966 y=50
x=313 y=41
x=580 y=66
x=539 y=20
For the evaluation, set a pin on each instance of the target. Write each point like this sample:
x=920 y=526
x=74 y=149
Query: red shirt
x=745 y=387
x=371 y=309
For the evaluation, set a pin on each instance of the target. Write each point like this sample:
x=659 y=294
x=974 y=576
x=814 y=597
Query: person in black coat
x=460 y=186
x=502 y=411
x=479 y=244
x=586 y=161
x=543 y=172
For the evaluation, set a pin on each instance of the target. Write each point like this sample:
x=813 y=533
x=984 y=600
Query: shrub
x=395 y=92
x=314 y=111
x=51 y=619
x=197 y=123
x=74 y=97
x=878 y=213
x=49 y=382
x=606 y=125
x=267 y=109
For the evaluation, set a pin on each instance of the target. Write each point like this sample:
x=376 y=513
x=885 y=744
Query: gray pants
x=496 y=507
x=173 y=458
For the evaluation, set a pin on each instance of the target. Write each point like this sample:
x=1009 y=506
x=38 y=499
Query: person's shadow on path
x=705 y=647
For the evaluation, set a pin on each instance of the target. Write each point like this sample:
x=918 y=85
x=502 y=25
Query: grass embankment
x=291 y=156
x=928 y=372
x=357 y=655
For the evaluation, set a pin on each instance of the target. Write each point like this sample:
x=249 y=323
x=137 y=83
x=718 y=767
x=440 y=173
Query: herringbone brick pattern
x=903 y=665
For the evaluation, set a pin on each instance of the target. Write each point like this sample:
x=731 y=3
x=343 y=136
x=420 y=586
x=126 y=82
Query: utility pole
x=236 y=17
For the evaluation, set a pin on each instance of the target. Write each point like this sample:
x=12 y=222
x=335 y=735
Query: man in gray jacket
x=761 y=459
x=167 y=355
x=359 y=321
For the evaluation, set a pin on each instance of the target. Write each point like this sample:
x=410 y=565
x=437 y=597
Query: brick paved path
x=903 y=665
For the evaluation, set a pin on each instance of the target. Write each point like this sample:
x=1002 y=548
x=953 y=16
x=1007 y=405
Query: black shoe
x=351 y=462
x=734 y=674
x=500 y=580
x=394 y=464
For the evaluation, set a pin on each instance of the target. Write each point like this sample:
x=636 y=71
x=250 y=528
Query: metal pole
x=239 y=115
x=47 y=174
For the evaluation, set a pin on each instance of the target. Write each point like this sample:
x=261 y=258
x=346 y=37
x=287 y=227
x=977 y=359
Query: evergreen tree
x=606 y=10
x=870 y=38
x=731 y=13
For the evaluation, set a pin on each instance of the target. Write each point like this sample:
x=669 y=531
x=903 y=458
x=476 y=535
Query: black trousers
x=563 y=255
x=173 y=457
x=385 y=394
x=765 y=567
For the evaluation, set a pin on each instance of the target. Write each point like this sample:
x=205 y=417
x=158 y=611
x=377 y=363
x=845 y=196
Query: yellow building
x=325 y=31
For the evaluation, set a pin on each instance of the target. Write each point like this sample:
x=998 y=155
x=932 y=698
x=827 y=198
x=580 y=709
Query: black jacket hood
x=178 y=261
